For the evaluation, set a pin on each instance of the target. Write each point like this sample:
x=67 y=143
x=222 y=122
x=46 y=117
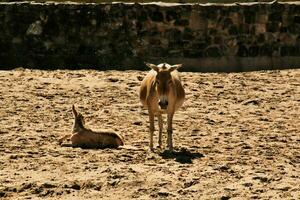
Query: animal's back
x=115 y=138
x=99 y=139
x=109 y=139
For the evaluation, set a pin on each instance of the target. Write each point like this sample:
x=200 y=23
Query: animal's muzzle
x=163 y=104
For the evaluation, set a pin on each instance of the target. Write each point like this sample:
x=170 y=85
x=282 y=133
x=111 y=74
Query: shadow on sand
x=183 y=155
x=88 y=146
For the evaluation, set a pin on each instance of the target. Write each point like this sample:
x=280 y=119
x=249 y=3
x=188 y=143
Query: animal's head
x=79 y=119
x=164 y=81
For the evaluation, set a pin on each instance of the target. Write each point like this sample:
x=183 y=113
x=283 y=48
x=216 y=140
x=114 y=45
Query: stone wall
x=204 y=37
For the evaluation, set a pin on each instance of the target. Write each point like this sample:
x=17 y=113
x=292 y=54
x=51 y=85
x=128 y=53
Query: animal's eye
x=157 y=82
x=170 y=82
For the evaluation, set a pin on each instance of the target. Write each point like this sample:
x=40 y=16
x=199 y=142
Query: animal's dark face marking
x=164 y=84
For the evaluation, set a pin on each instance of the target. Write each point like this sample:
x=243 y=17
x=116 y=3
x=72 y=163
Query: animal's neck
x=78 y=126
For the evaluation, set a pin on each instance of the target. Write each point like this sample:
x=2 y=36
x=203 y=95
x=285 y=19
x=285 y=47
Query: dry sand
x=236 y=137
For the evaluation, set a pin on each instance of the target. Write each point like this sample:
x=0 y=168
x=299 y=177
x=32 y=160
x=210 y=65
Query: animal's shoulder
x=149 y=79
x=175 y=75
x=151 y=74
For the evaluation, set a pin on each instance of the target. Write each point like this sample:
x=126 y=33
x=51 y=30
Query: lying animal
x=87 y=138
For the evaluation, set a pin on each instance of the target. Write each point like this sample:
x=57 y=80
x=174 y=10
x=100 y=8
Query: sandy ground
x=236 y=137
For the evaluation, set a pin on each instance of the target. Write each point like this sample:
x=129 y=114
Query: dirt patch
x=237 y=135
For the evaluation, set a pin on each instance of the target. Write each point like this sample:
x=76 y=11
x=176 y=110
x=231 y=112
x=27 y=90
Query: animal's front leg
x=160 y=124
x=170 y=131
x=151 y=129
x=63 y=138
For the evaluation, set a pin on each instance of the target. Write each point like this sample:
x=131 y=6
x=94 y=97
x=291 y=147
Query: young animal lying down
x=87 y=138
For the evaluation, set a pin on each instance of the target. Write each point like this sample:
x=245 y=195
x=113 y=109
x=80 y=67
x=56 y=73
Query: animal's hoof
x=170 y=149
x=159 y=144
x=151 y=149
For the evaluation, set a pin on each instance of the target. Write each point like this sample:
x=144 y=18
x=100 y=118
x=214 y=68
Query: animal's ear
x=152 y=66
x=74 y=111
x=174 y=67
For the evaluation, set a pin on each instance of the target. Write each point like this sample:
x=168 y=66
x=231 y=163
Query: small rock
x=190 y=183
x=163 y=194
x=113 y=182
x=261 y=179
x=75 y=186
x=248 y=184
x=13 y=157
x=251 y=101
x=112 y=79
x=138 y=123
x=225 y=197
x=223 y=168
x=48 y=185
x=2 y=194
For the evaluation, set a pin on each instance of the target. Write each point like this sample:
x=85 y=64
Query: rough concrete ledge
x=204 y=37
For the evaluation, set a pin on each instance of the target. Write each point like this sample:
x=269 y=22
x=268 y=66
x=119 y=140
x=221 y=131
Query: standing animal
x=161 y=92
x=87 y=138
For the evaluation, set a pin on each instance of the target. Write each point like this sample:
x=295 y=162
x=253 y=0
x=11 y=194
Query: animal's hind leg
x=160 y=125
x=170 y=131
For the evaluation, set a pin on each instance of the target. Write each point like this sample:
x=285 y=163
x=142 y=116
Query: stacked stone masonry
x=204 y=37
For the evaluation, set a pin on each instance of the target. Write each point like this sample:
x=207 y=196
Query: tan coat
x=87 y=138
x=161 y=92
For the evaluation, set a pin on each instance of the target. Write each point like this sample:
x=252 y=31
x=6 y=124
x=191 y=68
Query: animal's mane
x=164 y=66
